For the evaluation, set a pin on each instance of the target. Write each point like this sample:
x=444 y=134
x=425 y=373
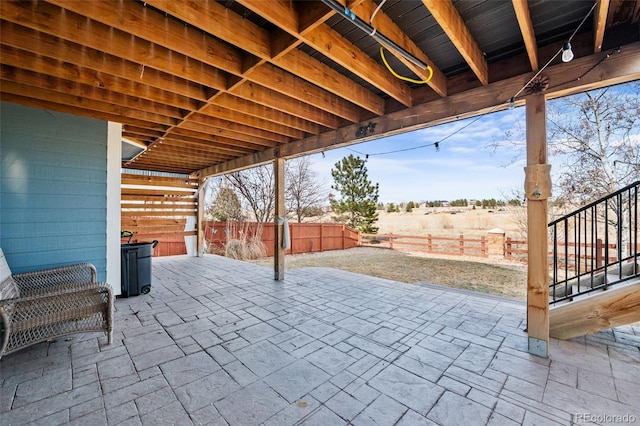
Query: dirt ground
x=505 y=279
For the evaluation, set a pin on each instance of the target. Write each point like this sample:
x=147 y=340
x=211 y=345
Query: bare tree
x=304 y=192
x=594 y=137
x=597 y=134
x=256 y=187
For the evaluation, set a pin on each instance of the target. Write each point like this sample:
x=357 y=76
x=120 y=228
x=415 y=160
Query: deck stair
x=596 y=266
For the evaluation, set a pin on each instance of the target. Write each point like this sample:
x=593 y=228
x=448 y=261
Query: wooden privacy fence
x=454 y=246
x=305 y=237
x=158 y=208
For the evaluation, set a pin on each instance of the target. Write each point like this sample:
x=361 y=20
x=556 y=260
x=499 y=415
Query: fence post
x=343 y=237
x=483 y=246
x=429 y=244
x=461 y=244
x=391 y=241
x=508 y=248
x=599 y=252
x=321 y=238
x=495 y=238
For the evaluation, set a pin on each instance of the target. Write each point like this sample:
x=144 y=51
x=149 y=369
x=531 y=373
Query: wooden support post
x=537 y=191
x=278 y=226
x=200 y=220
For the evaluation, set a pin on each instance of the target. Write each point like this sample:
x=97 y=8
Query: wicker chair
x=42 y=305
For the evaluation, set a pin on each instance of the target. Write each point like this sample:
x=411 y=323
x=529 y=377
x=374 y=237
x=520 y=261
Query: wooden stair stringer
x=617 y=306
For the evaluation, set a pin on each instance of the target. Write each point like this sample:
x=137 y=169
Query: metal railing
x=595 y=246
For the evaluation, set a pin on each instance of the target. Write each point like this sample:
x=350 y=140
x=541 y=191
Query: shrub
x=245 y=248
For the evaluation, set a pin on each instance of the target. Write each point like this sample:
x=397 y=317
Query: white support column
x=278 y=225
x=114 y=161
x=537 y=191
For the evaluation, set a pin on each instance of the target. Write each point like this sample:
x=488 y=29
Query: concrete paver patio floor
x=220 y=342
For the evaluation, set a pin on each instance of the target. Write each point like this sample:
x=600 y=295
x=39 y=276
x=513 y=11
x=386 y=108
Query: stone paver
x=220 y=342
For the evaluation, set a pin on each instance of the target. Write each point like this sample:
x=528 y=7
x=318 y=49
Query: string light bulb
x=567 y=53
x=512 y=103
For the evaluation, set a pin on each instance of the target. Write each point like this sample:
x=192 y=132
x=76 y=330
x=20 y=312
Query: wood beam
x=143 y=23
x=177 y=91
x=617 y=306
x=124 y=113
x=86 y=32
x=331 y=44
x=223 y=127
x=447 y=16
x=244 y=117
x=296 y=88
x=212 y=16
x=76 y=109
x=565 y=79
x=329 y=79
x=262 y=95
x=245 y=106
x=521 y=8
x=279 y=215
x=40 y=71
x=537 y=191
x=599 y=24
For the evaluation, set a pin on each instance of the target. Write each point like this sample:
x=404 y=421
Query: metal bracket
x=537 y=182
x=538 y=347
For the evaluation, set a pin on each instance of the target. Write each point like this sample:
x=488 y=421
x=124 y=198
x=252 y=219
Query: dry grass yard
x=452 y=221
x=471 y=273
x=507 y=280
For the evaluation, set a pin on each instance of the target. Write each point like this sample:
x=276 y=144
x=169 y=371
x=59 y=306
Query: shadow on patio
x=218 y=341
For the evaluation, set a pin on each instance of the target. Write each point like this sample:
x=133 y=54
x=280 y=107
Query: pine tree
x=226 y=205
x=358 y=196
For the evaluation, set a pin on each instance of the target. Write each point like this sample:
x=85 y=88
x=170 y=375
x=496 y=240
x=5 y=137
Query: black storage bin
x=136 y=268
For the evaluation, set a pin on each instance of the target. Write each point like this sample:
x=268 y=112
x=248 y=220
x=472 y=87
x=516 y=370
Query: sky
x=462 y=167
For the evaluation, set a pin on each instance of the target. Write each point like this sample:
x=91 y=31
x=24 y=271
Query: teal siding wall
x=53 y=183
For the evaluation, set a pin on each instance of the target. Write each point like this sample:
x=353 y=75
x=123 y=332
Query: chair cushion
x=8 y=287
x=5 y=272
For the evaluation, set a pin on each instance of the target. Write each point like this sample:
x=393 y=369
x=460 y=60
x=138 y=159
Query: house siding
x=53 y=185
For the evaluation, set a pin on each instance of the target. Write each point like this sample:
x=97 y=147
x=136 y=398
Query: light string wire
x=437 y=143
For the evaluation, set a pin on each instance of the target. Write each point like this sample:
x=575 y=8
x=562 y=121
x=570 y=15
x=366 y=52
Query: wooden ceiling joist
x=225 y=25
x=385 y=25
x=599 y=24
x=521 y=8
x=332 y=45
x=176 y=91
x=449 y=19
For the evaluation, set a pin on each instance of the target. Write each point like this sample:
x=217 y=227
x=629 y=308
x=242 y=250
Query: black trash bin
x=136 y=268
